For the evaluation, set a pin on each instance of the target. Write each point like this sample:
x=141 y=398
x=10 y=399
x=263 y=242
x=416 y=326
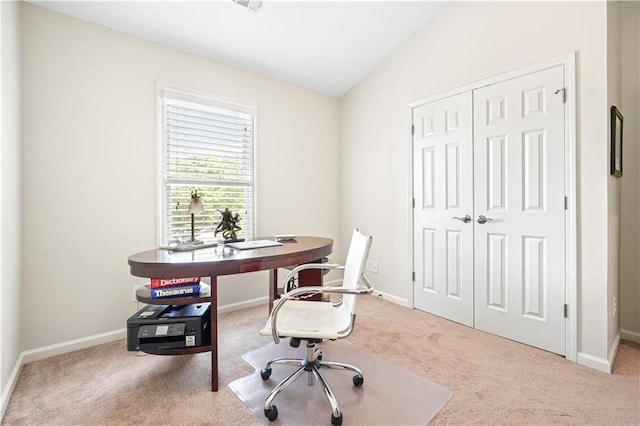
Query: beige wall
x=10 y=170
x=614 y=97
x=89 y=140
x=467 y=42
x=629 y=301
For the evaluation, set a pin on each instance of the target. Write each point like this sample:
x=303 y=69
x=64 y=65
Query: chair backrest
x=354 y=267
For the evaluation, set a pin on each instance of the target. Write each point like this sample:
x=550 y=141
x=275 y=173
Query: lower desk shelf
x=143 y=294
x=178 y=351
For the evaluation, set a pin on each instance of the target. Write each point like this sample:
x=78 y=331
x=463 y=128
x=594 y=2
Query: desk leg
x=214 y=334
x=273 y=287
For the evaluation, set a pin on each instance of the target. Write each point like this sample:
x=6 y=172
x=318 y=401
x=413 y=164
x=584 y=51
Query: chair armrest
x=309 y=291
x=305 y=266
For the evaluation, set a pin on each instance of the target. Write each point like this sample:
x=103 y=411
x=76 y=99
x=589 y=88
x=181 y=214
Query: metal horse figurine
x=228 y=225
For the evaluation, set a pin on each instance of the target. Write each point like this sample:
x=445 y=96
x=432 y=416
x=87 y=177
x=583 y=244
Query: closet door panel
x=519 y=234
x=443 y=190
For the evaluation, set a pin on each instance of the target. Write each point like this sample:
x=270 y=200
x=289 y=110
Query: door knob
x=482 y=219
x=465 y=219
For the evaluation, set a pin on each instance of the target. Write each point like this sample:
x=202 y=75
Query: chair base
x=310 y=365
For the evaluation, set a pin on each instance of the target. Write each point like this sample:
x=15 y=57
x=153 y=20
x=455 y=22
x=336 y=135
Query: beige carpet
x=390 y=394
x=494 y=381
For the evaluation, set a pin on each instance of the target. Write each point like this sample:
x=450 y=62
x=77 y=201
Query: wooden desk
x=213 y=262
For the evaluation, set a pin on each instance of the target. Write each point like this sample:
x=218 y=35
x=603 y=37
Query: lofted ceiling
x=320 y=45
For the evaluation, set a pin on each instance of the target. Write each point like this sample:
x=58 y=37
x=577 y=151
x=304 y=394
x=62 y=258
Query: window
x=207 y=145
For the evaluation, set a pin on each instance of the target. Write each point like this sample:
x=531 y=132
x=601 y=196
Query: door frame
x=570 y=172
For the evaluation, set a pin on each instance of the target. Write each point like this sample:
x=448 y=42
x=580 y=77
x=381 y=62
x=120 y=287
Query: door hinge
x=413 y=129
x=566 y=310
x=413 y=203
x=566 y=203
x=564 y=94
x=413 y=276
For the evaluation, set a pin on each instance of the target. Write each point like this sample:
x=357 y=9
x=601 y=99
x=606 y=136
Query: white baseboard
x=391 y=298
x=376 y=293
x=73 y=345
x=601 y=364
x=631 y=336
x=614 y=350
x=594 y=362
x=11 y=384
x=333 y=283
x=243 y=305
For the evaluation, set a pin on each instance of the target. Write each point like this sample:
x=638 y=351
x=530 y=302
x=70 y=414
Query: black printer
x=169 y=327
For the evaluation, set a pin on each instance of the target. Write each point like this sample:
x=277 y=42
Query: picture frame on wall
x=616 y=142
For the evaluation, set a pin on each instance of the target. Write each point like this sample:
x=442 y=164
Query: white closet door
x=443 y=186
x=519 y=187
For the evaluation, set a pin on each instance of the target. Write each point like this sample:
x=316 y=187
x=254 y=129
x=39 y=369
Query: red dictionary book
x=173 y=282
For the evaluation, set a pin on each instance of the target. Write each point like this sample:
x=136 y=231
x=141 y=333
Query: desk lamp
x=195 y=207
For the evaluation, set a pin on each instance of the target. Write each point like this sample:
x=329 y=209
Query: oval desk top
x=224 y=260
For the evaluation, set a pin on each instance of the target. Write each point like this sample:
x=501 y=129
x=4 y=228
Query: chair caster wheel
x=336 y=420
x=265 y=373
x=357 y=380
x=272 y=413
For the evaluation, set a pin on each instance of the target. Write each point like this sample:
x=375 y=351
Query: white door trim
x=568 y=62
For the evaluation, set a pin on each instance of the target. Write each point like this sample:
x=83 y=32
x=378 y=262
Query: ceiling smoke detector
x=253 y=5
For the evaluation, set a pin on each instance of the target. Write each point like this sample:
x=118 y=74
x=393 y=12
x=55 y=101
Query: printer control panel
x=151 y=330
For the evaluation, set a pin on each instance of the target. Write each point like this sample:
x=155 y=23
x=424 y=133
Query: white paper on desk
x=245 y=245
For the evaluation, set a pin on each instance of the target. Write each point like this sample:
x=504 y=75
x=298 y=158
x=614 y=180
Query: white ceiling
x=324 y=46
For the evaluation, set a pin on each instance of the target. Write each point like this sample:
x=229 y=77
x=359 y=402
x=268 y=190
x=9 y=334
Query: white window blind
x=208 y=147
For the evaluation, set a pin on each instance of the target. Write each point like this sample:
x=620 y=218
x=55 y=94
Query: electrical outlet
x=368 y=266
x=615 y=306
x=374 y=266
x=135 y=289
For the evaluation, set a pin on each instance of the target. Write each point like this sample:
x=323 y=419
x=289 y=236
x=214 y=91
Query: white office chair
x=293 y=316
